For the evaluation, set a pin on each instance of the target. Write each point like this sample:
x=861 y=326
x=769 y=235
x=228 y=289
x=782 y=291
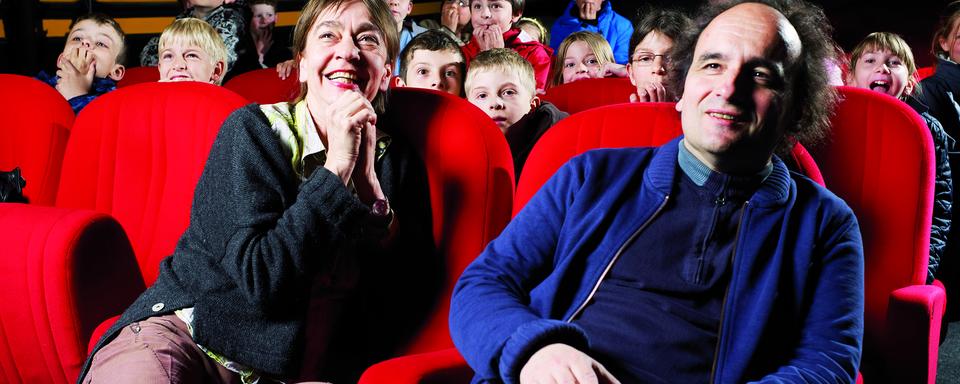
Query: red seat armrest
x=914 y=318
x=445 y=366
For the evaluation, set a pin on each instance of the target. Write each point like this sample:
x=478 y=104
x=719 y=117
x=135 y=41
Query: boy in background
x=91 y=62
x=191 y=50
x=408 y=29
x=432 y=60
x=501 y=83
x=493 y=27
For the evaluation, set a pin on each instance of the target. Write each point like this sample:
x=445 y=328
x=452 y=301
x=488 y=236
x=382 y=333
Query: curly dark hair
x=669 y=22
x=809 y=99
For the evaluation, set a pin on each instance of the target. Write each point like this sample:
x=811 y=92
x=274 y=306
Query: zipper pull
x=720 y=200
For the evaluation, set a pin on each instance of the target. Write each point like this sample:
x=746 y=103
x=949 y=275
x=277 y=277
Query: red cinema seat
x=925 y=72
x=134 y=154
x=589 y=93
x=137 y=75
x=605 y=127
x=880 y=160
x=263 y=86
x=470 y=173
x=35 y=122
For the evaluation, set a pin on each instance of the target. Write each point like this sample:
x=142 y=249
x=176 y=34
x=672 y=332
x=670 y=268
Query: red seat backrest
x=263 y=86
x=137 y=75
x=137 y=153
x=607 y=127
x=925 y=72
x=35 y=122
x=879 y=160
x=470 y=172
x=589 y=93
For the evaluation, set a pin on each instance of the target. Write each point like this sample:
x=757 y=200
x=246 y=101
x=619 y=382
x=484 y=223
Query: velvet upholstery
x=35 y=123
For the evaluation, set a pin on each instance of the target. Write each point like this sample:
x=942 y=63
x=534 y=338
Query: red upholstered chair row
x=132 y=161
x=35 y=122
x=130 y=166
x=879 y=159
x=925 y=72
x=589 y=93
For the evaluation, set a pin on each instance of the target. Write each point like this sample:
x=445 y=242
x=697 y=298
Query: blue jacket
x=99 y=86
x=793 y=311
x=615 y=28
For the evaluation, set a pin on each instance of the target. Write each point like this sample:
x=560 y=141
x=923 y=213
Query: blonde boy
x=501 y=83
x=91 y=62
x=191 y=50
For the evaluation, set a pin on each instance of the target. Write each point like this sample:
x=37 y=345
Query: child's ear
x=943 y=45
x=117 y=72
x=848 y=79
x=679 y=105
x=630 y=73
x=535 y=102
x=398 y=82
x=218 y=71
x=911 y=84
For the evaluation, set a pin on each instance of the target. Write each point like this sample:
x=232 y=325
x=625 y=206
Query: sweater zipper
x=615 y=257
x=723 y=305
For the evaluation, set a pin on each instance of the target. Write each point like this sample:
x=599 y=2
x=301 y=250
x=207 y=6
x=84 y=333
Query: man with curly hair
x=703 y=260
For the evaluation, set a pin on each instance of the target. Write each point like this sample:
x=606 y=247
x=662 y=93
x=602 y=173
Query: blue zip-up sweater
x=793 y=310
x=615 y=28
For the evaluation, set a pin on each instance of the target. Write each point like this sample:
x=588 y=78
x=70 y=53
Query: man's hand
x=75 y=70
x=489 y=37
x=345 y=121
x=561 y=363
x=284 y=69
x=650 y=92
x=588 y=10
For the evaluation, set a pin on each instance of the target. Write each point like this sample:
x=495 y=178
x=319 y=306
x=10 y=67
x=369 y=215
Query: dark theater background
x=32 y=33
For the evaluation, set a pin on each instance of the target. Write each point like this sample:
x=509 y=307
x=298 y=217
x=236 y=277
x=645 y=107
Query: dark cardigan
x=257 y=239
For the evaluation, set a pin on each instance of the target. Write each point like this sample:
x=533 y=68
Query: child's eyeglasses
x=646 y=59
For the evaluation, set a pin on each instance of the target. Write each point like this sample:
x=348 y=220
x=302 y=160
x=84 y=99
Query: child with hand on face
x=501 y=83
x=493 y=27
x=650 y=44
x=91 y=62
x=432 y=60
x=883 y=62
x=191 y=50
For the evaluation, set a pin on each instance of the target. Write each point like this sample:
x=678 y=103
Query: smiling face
x=264 y=16
x=881 y=71
x=579 y=62
x=180 y=61
x=648 y=64
x=484 y=13
x=501 y=94
x=102 y=41
x=732 y=93
x=437 y=70
x=344 y=51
